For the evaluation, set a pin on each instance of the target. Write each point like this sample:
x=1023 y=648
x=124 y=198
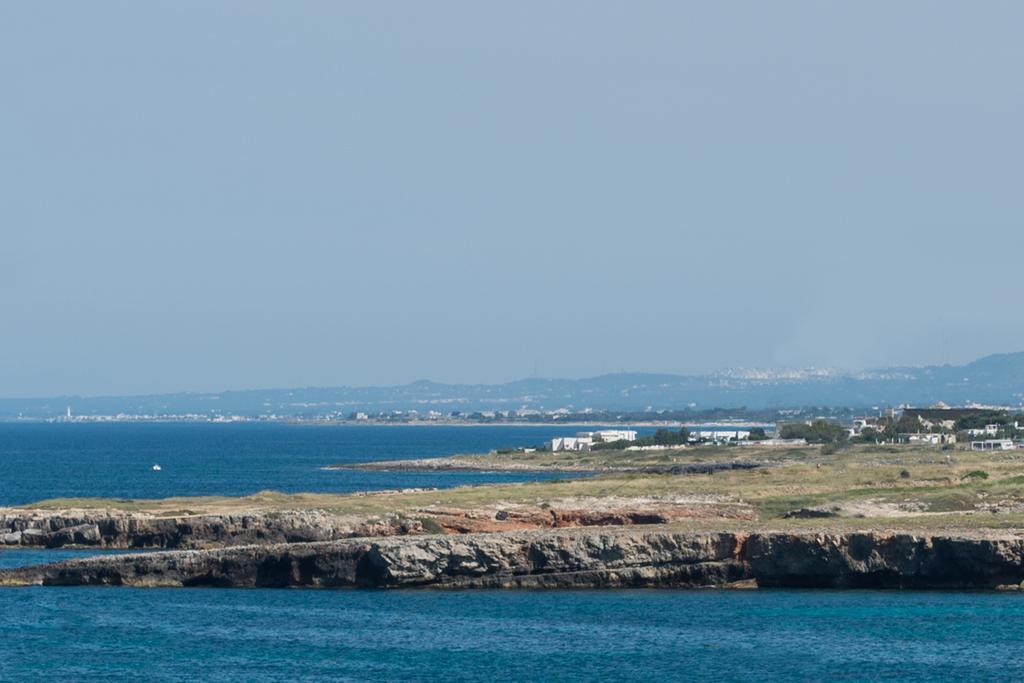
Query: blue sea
x=115 y=460
x=131 y=634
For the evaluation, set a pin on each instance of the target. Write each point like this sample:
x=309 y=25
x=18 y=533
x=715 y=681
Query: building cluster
x=413 y=415
x=938 y=425
x=980 y=428
x=70 y=417
x=584 y=441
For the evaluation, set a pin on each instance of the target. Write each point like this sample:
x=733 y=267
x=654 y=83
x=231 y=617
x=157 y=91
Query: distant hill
x=997 y=379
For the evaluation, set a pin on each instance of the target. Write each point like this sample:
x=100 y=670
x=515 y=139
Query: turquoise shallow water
x=271 y=635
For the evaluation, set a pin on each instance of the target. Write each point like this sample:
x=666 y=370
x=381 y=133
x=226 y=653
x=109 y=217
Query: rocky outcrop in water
x=571 y=558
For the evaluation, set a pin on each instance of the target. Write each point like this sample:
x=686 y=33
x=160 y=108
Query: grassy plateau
x=869 y=487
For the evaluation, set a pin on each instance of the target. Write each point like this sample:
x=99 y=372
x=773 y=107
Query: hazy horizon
x=525 y=378
x=205 y=197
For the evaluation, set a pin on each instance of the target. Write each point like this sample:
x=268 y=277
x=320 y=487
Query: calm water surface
x=40 y=461
x=270 y=635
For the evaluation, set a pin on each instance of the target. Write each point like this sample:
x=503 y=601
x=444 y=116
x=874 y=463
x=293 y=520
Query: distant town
x=984 y=427
x=745 y=395
x=980 y=428
x=740 y=416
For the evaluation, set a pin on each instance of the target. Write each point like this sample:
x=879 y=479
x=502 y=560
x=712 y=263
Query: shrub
x=904 y=474
x=976 y=474
x=431 y=526
x=868 y=435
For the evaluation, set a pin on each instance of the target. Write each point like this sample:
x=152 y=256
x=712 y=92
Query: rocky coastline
x=122 y=530
x=458 y=464
x=572 y=558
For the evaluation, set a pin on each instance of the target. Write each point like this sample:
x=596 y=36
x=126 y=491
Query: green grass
x=860 y=481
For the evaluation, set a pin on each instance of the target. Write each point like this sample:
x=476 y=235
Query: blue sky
x=200 y=196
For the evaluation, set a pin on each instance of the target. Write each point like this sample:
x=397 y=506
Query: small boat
x=156 y=468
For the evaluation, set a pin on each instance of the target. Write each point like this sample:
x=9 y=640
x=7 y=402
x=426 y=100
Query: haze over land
x=997 y=379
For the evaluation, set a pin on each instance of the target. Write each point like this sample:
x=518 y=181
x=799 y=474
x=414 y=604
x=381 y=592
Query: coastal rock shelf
x=571 y=559
x=124 y=531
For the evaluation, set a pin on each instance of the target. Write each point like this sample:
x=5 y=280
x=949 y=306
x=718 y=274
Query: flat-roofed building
x=993 y=445
x=610 y=435
x=572 y=443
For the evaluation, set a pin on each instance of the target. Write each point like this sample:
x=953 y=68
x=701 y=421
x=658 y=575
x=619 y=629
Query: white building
x=931 y=439
x=992 y=445
x=583 y=441
x=610 y=435
x=572 y=443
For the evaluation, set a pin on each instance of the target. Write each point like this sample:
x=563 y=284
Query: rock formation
x=124 y=530
x=137 y=530
x=588 y=557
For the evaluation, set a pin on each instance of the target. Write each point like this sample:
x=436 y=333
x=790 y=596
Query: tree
x=757 y=434
x=908 y=425
x=793 y=430
x=888 y=429
x=869 y=435
x=823 y=431
x=819 y=431
x=664 y=437
x=981 y=420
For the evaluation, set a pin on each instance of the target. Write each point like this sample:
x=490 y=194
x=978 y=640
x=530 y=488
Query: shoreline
x=580 y=558
x=866 y=516
x=446 y=464
x=387 y=423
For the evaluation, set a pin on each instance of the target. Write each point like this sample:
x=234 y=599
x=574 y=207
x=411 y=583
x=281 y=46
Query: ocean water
x=125 y=634
x=40 y=461
x=372 y=635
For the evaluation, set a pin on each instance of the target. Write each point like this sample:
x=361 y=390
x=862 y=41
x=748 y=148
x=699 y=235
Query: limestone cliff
x=117 y=529
x=571 y=558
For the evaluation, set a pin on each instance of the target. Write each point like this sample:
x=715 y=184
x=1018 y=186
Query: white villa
x=583 y=441
x=993 y=445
